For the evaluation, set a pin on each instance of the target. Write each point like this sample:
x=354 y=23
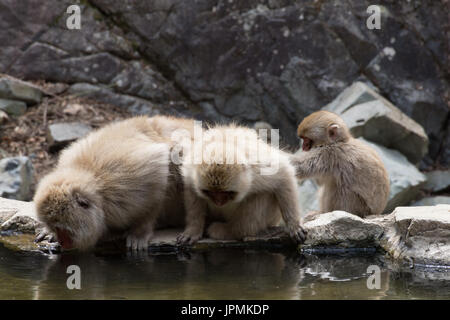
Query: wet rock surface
x=273 y=61
x=409 y=235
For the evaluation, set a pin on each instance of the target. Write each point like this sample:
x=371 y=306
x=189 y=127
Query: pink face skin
x=307 y=143
x=220 y=198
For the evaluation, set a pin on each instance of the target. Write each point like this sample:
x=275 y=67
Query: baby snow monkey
x=351 y=175
x=234 y=177
x=115 y=179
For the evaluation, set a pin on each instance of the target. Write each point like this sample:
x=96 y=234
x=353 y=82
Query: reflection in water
x=215 y=274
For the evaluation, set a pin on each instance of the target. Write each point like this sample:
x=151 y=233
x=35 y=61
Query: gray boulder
x=373 y=117
x=437 y=180
x=308 y=196
x=18 y=216
x=61 y=134
x=16 y=178
x=406 y=181
x=13 y=107
x=340 y=228
x=19 y=90
x=418 y=235
x=432 y=201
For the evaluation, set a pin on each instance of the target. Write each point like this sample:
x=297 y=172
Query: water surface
x=214 y=274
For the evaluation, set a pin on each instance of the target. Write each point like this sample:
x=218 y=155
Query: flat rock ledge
x=411 y=235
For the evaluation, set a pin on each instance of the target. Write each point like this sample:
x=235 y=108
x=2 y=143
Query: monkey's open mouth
x=307 y=144
x=64 y=238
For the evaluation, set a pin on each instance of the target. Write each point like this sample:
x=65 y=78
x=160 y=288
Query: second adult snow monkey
x=115 y=179
x=242 y=183
x=351 y=174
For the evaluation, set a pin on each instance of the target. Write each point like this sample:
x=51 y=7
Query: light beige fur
x=118 y=178
x=237 y=193
x=351 y=174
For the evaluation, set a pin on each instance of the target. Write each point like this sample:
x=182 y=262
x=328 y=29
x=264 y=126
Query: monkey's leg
x=256 y=213
x=221 y=231
x=141 y=234
x=195 y=217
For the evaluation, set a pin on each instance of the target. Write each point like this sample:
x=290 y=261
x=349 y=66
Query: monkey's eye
x=83 y=203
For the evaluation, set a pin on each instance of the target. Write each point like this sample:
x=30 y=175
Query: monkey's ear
x=333 y=131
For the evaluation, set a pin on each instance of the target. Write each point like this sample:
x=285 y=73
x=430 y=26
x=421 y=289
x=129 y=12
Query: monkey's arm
x=195 y=217
x=139 y=236
x=314 y=163
x=285 y=190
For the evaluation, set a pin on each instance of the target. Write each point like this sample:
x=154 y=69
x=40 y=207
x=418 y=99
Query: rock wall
x=271 y=60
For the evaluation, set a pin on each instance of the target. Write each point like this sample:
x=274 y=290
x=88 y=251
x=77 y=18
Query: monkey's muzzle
x=64 y=238
x=220 y=198
x=307 y=144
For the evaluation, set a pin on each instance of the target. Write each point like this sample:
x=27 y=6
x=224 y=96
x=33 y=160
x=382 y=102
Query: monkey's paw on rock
x=189 y=237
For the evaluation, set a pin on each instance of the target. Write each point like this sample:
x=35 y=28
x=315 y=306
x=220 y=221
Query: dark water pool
x=215 y=274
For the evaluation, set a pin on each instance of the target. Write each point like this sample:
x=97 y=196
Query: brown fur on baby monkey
x=351 y=175
x=116 y=178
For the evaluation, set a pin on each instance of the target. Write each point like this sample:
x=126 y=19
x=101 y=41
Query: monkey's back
x=129 y=163
x=368 y=177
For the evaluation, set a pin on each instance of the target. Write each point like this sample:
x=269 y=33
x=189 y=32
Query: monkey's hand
x=189 y=236
x=297 y=233
x=138 y=242
x=44 y=234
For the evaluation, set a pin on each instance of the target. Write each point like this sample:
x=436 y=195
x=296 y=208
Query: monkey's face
x=322 y=128
x=73 y=214
x=222 y=184
x=312 y=137
x=307 y=143
x=320 y=136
